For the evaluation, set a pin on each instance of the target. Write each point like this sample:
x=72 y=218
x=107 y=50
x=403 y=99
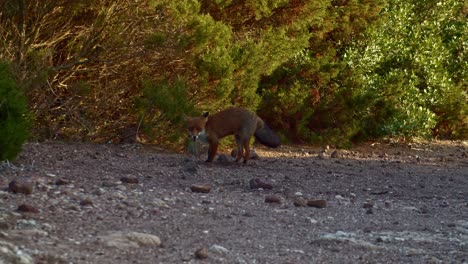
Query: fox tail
x=267 y=137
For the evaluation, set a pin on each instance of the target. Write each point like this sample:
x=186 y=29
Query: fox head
x=196 y=125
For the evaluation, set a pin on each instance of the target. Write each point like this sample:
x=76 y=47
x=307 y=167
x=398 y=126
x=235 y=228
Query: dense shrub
x=14 y=119
x=309 y=97
x=404 y=76
x=161 y=107
x=413 y=68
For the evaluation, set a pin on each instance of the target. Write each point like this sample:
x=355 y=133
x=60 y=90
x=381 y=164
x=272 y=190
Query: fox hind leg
x=246 y=144
x=240 y=150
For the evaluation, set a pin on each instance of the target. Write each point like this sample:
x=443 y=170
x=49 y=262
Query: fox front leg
x=246 y=151
x=212 y=150
x=240 y=150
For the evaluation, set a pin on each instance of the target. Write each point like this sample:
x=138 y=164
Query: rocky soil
x=376 y=203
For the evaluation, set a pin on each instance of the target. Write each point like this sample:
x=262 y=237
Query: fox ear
x=206 y=114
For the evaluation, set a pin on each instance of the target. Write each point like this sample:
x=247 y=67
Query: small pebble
x=26 y=208
x=300 y=202
x=86 y=202
x=201 y=253
x=258 y=183
x=317 y=203
x=129 y=179
x=62 y=181
x=272 y=199
x=200 y=188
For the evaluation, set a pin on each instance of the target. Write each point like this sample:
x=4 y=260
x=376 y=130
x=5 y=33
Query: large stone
x=257 y=183
x=17 y=186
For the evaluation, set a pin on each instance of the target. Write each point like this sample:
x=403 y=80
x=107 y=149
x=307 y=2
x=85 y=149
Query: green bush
x=309 y=98
x=413 y=67
x=162 y=107
x=403 y=77
x=14 y=119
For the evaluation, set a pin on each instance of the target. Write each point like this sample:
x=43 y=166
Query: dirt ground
x=375 y=203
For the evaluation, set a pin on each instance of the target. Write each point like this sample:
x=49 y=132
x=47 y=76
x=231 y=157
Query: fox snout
x=198 y=136
x=193 y=135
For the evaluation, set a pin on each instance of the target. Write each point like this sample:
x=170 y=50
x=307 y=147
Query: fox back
x=232 y=121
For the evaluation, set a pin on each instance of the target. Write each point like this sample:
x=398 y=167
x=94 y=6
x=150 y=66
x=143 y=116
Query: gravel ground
x=376 y=203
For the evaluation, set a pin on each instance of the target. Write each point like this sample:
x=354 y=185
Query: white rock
x=24 y=223
x=410 y=208
x=160 y=203
x=30 y=232
x=339 y=197
x=219 y=249
x=10 y=253
x=99 y=191
x=121 y=188
x=462 y=227
x=120 y=196
x=129 y=239
x=350 y=238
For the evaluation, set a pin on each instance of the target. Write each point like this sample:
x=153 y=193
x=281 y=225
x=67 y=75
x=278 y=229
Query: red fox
x=236 y=121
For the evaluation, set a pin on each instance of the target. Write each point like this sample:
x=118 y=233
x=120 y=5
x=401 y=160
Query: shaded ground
x=384 y=204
